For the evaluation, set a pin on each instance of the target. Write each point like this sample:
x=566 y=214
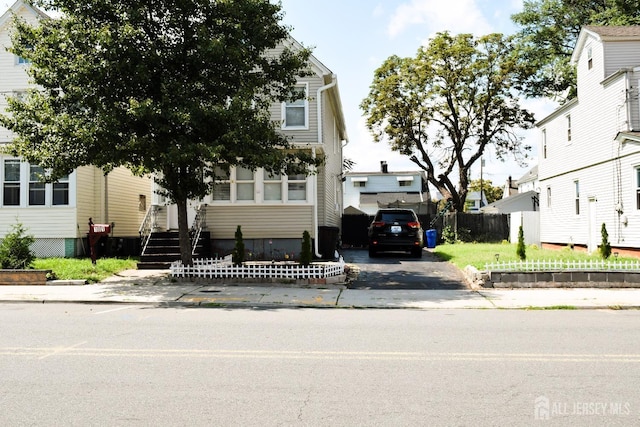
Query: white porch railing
x=563 y=265
x=199 y=223
x=223 y=268
x=149 y=223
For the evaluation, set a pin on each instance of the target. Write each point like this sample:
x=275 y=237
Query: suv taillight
x=378 y=224
x=413 y=224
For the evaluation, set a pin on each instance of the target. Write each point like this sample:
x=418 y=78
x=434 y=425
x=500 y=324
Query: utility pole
x=481 y=186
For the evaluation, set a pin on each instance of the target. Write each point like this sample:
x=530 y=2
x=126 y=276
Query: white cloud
x=456 y=16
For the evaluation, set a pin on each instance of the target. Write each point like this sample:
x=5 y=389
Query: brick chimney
x=383 y=167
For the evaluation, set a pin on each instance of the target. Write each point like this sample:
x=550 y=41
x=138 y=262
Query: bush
x=521 y=248
x=605 y=246
x=15 y=249
x=305 y=255
x=238 y=251
x=448 y=235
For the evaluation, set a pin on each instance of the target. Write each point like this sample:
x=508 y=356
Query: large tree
x=548 y=33
x=447 y=106
x=164 y=87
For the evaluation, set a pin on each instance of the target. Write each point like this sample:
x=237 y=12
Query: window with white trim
x=245 y=184
x=638 y=187
x=36 y=186
x=544 y=143
x=568 y=128
x=221 y=185
x=296 y=187
x=272 y=186
x=23 y=185
x=548 y=197
x=576 y=185
x=589 y=58
x=11 y=184
x=61 y=192
x=295 y=114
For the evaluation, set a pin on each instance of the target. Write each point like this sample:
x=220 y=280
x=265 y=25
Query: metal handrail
x=149 y=223
x=199 y=223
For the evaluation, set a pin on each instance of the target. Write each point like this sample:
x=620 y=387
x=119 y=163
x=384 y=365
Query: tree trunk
x=183 y=231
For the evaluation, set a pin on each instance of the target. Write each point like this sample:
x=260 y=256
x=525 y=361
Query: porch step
x=164 y=248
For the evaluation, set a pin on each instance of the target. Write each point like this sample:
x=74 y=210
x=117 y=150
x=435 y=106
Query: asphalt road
x=398 y=270
x=139 y=366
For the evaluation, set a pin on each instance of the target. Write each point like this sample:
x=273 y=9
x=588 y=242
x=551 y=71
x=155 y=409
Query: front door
x=172 y=214
x=592 y=244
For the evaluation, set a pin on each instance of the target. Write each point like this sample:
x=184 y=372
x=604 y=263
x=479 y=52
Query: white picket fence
x=563 y=265
x=219 y=268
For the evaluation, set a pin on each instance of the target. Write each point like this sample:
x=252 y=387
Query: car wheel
x=417 y=252
x=372 y=252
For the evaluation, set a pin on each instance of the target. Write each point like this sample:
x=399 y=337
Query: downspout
x=628 y=98
x=313 y=154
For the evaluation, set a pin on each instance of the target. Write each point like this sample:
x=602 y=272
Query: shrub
x=305 y=255
x=521 y=248
x=238 y=250
x=448 y=235
x=15 y=251
x=464 y=235
x=605 y=246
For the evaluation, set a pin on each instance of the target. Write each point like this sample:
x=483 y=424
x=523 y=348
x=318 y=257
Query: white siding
x=603 y=167
x=14 y=77
x=55 y=222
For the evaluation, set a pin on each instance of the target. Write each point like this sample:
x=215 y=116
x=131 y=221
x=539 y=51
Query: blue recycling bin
x=432 y=237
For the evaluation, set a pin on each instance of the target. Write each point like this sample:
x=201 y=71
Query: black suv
x=395 y=230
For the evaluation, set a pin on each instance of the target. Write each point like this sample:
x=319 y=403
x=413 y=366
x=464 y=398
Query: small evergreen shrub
x=15 y=249
x=237 y=255
x=521 y=248
x=605 y=246
x=305 y=255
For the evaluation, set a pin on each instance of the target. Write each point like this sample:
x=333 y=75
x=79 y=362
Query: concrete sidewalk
x=155 y=287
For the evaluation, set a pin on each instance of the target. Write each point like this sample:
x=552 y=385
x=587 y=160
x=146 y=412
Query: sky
x=354 y=37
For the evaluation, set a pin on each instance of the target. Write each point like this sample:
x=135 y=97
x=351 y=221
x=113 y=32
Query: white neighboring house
x=475 y=202
x=522 y=206
x=57 y=214
x=366 y=192
x=589 y=161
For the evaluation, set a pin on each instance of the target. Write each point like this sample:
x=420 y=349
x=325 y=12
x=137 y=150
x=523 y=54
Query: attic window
x=589 y=58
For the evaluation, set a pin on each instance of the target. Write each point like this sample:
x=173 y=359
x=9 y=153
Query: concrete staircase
x=164 y=248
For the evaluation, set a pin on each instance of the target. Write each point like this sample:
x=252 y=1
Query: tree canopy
x=490 y=192
x=548 y=32
x=169 y=87
x=447 y=105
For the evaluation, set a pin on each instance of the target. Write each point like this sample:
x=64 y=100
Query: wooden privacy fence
x=221 y=268
x=482 y=227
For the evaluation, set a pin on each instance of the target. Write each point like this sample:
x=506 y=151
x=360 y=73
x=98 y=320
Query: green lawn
x=82 y=269
x=477 y=254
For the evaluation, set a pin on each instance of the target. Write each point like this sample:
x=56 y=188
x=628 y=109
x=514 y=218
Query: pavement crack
x=486 y=298
x=304 y=405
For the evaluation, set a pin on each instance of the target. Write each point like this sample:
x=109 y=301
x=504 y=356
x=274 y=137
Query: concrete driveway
x=401 y=271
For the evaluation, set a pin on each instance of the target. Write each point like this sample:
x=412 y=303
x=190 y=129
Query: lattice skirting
x=52 y=248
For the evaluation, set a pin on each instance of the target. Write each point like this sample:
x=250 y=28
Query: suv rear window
x=395 y=216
